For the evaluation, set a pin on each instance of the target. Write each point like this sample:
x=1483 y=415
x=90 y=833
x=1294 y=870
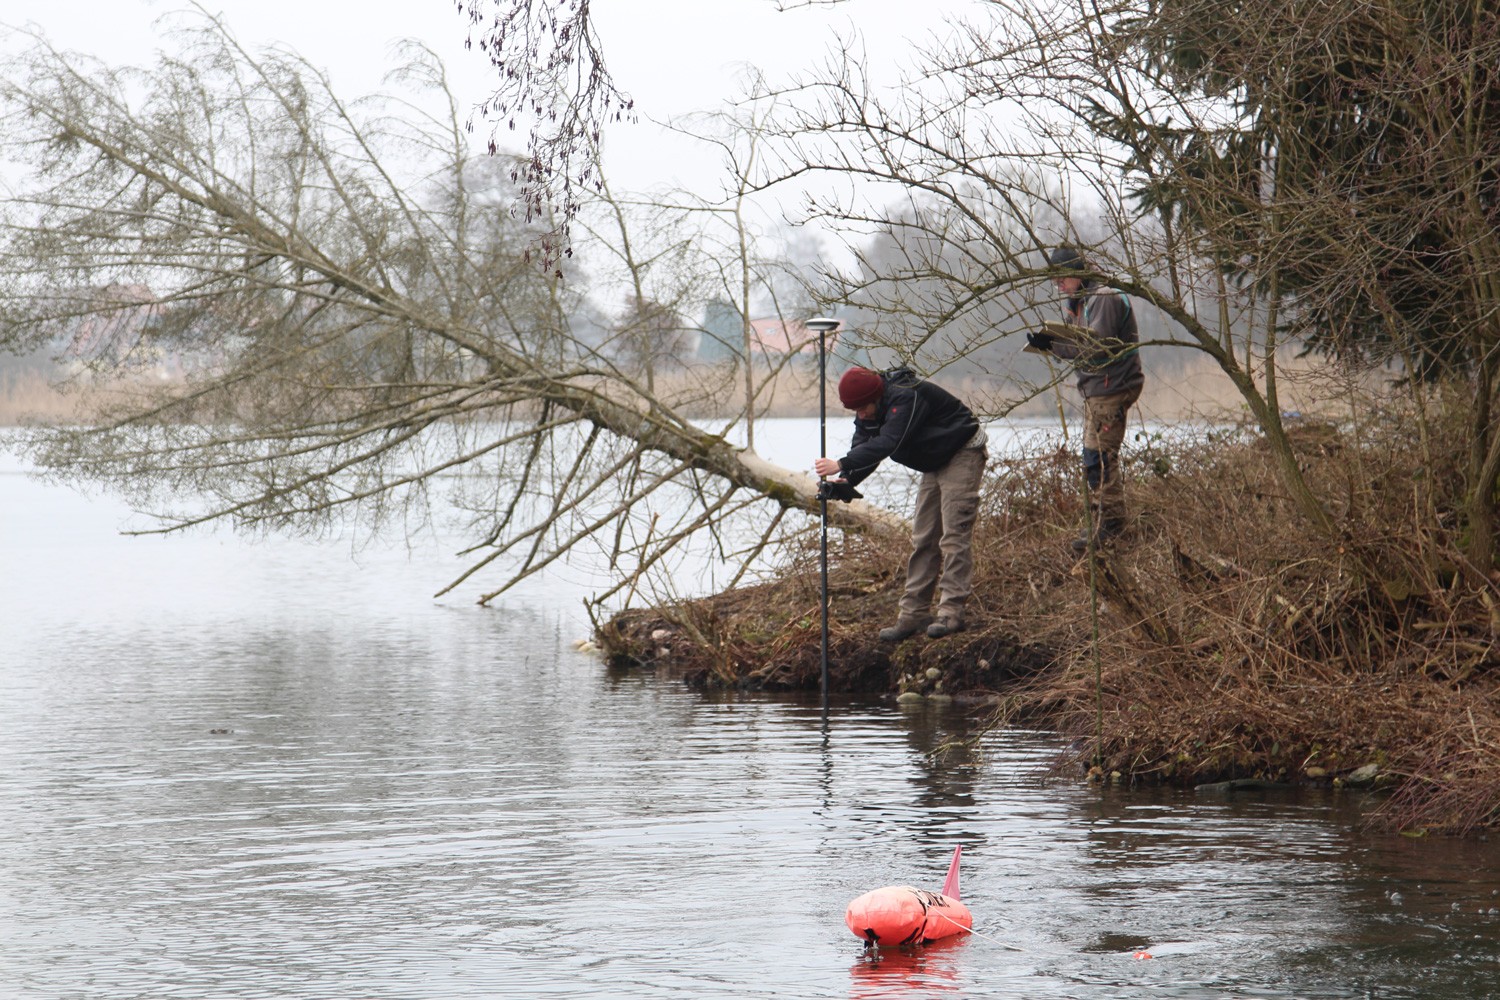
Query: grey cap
x=1069 y=257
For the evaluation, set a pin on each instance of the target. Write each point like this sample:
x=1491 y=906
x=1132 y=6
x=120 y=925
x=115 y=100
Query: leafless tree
x=355 y=292
x=1338 y=163
x=1040 y=114
x=554 y=81
x=741 y=265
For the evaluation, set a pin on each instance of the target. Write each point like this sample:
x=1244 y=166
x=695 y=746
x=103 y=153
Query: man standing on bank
x=926 y=428
x=1108 y=366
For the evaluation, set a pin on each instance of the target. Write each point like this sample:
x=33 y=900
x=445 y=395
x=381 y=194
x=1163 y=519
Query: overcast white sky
x=673 y=56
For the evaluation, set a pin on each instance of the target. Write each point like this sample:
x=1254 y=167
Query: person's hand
x=1041 y=341
x=826 y=467
x=837 y=489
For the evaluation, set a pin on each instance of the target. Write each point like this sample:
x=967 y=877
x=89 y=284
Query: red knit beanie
x=859 y=387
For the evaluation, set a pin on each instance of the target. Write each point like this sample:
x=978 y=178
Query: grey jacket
x=1113 y=365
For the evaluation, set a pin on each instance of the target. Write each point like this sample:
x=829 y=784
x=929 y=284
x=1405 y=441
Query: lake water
x=282 y=770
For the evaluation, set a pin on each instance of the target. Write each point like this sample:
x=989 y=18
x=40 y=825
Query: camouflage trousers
x=1103 y=434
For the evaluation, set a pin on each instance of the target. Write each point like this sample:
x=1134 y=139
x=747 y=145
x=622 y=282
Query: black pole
x=823 y=500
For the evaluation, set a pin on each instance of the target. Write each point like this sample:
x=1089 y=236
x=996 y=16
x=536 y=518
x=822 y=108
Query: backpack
x=902 y=376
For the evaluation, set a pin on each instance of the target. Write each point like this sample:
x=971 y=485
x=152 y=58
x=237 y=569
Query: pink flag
x=950 y=884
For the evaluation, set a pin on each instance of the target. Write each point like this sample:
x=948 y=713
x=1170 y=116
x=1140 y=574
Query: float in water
x=902 y=915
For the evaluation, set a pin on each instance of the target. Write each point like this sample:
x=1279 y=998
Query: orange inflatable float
x=900 y=914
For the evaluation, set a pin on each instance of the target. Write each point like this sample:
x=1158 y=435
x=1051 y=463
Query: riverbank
x=1228 y=640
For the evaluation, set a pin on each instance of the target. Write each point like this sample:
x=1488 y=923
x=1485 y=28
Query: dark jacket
x=916 y=423
x=1117 y=366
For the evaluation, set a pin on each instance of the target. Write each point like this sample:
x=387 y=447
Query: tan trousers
x=942 y=538
x=1103 y=434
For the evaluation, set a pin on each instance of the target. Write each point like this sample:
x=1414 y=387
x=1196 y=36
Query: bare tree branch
x=349 y=301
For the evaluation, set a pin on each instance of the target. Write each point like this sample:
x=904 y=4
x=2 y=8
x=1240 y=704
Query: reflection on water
x=931 y=971
x=232 y=770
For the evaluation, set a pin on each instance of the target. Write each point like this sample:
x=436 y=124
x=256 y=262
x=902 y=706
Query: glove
x=1041 y=341
x=830 y=489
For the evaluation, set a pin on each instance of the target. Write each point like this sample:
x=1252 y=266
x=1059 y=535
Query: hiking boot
x=944 y=626
x=903 y=628
x=1108 y=532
